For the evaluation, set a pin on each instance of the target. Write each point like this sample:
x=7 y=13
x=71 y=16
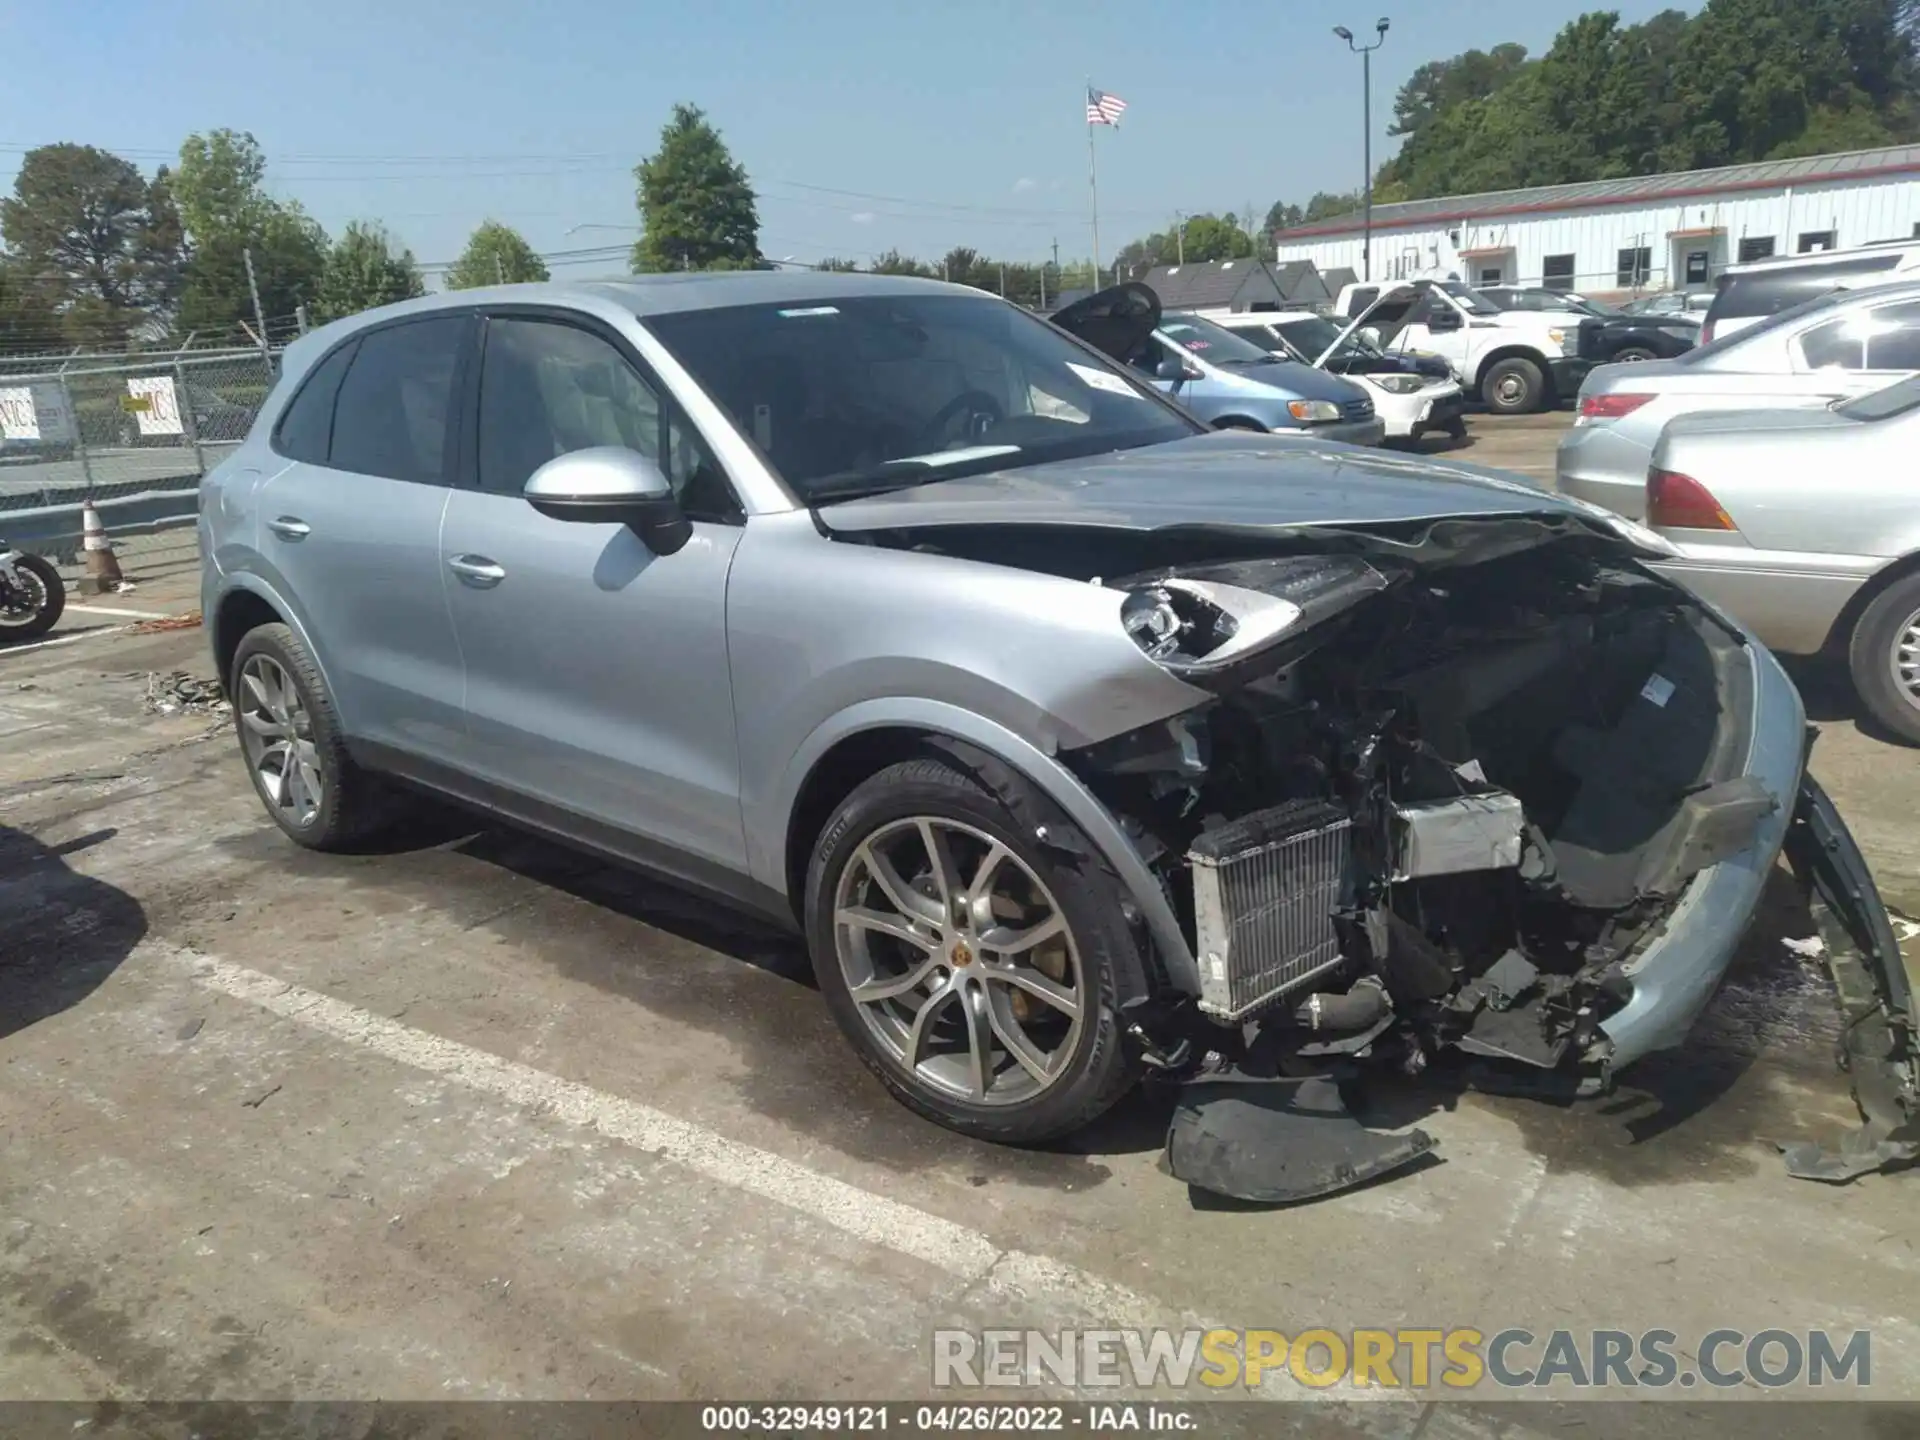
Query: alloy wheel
x=276 y=731
x=1904 y=661
x=960 y=961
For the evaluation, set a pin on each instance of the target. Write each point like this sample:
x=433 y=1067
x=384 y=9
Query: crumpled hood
x=1230 y=479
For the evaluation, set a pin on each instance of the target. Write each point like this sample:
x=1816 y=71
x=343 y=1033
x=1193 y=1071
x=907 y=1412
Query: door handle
x=477 y=571
x=290 y=527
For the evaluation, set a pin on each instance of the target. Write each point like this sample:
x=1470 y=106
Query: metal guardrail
x=56 y=529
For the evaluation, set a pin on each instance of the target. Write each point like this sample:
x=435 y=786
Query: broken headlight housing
x=1208 y=618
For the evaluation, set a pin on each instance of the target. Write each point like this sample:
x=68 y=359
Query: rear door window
x=393 y=415
x=306 y=431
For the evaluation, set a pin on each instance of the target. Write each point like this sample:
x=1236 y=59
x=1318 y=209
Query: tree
x=695 y=202
x=219 y=188
x=496 y=254
x=364 y=269
x=1215 y=237
x=894 y=263
x=29 y=320
x=87 y=225
x=834 y=262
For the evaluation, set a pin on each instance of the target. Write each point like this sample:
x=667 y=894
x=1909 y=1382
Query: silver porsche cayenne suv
x=1077 y=740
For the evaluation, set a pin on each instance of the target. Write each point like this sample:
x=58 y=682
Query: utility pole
x=499 y=270
x=1365 y=52
x=1003 y=279
x=259 y=315
x=1180 y=235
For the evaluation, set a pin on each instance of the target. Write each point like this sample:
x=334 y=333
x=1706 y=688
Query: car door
x=350 y=528
x=598 y=698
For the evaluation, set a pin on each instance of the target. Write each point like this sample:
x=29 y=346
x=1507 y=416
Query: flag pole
x=1093 y=188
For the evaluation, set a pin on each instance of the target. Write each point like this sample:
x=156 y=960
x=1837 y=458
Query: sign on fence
x=154 y=405
x=17 y=418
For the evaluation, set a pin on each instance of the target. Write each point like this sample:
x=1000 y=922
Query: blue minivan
x=1225 y=380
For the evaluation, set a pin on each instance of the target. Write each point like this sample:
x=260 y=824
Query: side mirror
x=608 y=485
x=1172 y=367
x=1444 y=318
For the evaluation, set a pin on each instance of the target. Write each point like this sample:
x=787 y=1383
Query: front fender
x=767 y=825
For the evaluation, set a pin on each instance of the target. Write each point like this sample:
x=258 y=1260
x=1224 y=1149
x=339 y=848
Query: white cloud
x=1024 y=184
x=861 y=217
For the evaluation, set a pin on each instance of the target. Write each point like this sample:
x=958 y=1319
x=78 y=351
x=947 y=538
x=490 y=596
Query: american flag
x=1102 y=108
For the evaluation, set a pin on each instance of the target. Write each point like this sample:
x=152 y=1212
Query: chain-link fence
x=137 y=426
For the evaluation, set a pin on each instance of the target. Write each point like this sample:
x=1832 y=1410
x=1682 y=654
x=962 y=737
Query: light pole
x=1365 y=52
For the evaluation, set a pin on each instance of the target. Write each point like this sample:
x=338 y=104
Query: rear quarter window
x=305 y=432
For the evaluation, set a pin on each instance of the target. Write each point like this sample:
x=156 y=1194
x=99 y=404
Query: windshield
x=869 y=393
x=1312 y=336
x=1213 y=343
x=1896 y=399
x=1468 y=299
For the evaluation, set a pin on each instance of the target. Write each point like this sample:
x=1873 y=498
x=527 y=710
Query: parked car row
x=1777 y=458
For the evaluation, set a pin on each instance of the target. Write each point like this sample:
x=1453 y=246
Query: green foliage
x=94 y=239
x=365 y=269
x=496 y=254
x=1741 y=80
x=835 y=263
x=894 y=263
x=695 y=202
x=219 y=189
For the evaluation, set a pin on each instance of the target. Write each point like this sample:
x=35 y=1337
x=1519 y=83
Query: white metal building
x=1649 y=232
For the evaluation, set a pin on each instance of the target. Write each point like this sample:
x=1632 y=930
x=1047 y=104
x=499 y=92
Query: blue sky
x=955 y=124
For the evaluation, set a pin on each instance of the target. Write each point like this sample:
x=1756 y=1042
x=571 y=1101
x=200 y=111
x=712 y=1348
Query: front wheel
x=1514 y=386
x=973 y=971
x=30 y=608
x=1884 y=658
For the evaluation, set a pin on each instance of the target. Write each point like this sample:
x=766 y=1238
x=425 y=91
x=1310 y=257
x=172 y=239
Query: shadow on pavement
x=62 y=933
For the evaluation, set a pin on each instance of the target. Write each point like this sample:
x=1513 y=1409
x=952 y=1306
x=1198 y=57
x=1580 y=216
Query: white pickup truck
x=1514 y=361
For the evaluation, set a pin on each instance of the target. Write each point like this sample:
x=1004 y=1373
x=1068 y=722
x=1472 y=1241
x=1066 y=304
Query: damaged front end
x=1485 y=787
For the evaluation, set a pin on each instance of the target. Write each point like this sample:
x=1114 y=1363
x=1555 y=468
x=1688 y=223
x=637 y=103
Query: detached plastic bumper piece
x=1878 y=1046
x=1275 y=1141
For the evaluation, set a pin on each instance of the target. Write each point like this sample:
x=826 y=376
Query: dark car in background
x=1619 y=337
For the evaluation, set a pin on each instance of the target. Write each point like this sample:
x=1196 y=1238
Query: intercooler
x=1265 y=889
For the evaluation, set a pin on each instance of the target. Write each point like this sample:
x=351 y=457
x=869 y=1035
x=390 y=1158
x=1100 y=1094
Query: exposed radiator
x=1265 y=889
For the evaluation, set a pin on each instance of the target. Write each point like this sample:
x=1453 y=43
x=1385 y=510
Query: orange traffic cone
x=103 y=570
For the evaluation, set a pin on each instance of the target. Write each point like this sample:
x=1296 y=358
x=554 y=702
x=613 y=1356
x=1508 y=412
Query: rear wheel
x=1631 y=354
x=972 y=970
x=1514 y=386
x=1885 y=658
x=296 y=754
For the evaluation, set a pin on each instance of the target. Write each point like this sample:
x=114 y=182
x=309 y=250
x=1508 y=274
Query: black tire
x=1099 y=1070
x=354 y=804
x=1457 y=428
x=1631 y=355
x=1514 y=386
x=1871 y=658
x=54 y=602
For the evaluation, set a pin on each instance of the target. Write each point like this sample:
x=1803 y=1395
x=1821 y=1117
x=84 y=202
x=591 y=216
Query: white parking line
x=957 y=1249
x=82 y=608
x=62 y=640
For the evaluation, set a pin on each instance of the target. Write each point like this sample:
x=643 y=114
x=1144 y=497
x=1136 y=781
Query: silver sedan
x=1847 y=343
x=1805 y=526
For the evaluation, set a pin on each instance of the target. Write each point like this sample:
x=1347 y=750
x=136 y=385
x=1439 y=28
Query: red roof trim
x=1592 y=202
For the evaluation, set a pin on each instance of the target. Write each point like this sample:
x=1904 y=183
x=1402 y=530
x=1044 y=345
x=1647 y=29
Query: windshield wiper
x=852 y=484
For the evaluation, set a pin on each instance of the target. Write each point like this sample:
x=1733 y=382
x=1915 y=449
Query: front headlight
x=1195 y=624
x=1313 y=412
x=1558 y=337
x=1397 y=384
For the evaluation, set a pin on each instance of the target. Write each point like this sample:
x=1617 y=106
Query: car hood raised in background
x=1226 y=479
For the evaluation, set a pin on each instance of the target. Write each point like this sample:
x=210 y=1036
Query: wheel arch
x=865 y=739
x=1840 y=636
x=1239 y=422
x=1529 y=353
x=249 y=603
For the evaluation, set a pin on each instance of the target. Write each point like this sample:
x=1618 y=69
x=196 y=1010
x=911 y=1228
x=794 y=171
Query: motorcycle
x=32 y=595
